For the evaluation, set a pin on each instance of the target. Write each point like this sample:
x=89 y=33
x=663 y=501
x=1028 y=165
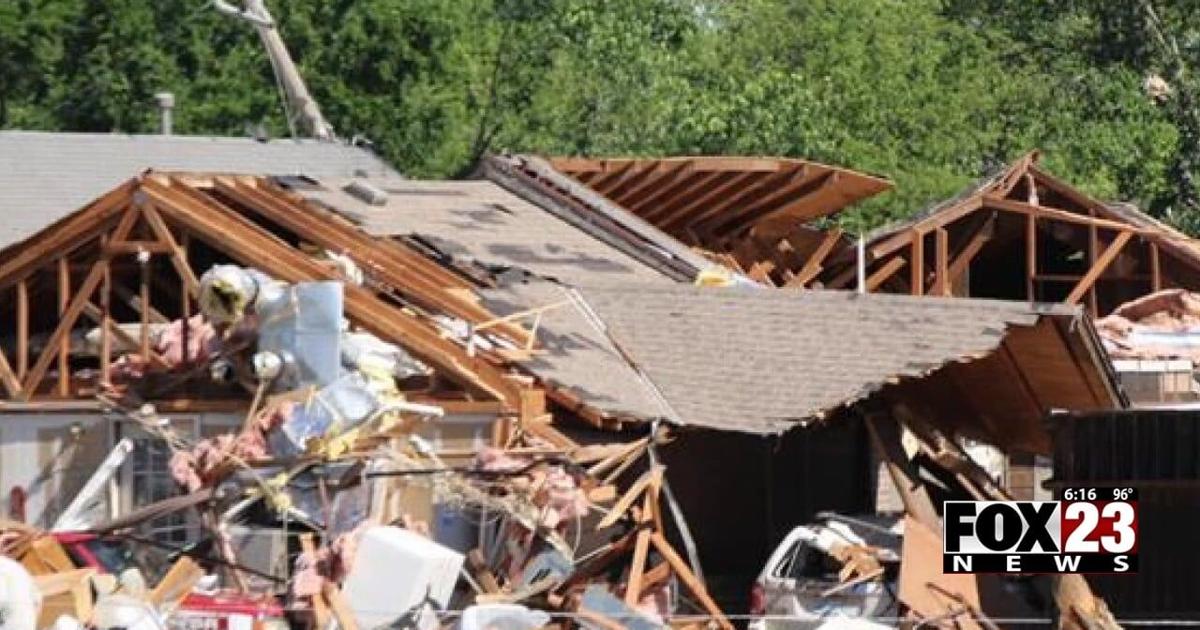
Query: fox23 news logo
x=1092 y=530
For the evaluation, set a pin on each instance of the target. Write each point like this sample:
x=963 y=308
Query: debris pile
x=327 y=506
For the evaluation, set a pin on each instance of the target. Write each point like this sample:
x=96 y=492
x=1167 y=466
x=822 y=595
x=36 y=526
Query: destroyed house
x=516 y=312
x=773 y=390
x=1023 y=234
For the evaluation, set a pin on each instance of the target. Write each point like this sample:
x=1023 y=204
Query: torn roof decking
x=1084 y=250
x=479 y=222
x=751 y=213
x=765 y=361
x=231 y=215
x=46 y=176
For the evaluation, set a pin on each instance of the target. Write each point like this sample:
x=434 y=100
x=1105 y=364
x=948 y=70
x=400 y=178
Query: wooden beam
x=815 y=263
x=977 y=240
x=941 y=284
x=134 y=302
x=941 y=218
x=885 y=435
x=96 y=314
x=60 y=338
x=810 y=194
x=106 y=317
x=917 y=264
x=1030 y=256
x=686 y=179
x=1156 y=283
x=886 y=271
x=11 y=384
x=1054 y=214
x=64 y=346
x=1098 y=268
x=67 y=235
x=144 y=311
x=179 y=258
x=22 y=328
x=136 y=247
x=683 y=215
x=653 y=185
x=1093 y=253
x=419 y=280
x=251 y=245
x=732 y=205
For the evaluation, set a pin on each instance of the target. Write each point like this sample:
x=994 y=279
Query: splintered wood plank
x=1098 y=268
x=689 y=580
x=637 y=568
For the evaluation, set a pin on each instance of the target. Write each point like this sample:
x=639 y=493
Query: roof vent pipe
x=861 y=263
x=166 y=107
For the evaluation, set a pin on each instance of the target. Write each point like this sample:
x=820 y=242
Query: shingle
x=760 y=361
x=46 y=176
x=481 y=222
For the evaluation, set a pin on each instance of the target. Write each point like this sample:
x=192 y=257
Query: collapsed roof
x=767 y=361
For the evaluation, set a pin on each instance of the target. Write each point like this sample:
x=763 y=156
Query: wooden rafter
x=815 y=263
x=1055 y=214
x=420 y=280
x=75 y=308
x=1102 y=263
x=807 y=194
x=885 y=272
x=249 y=244
x=976 y=241
x=684 y=214
x=711 y=216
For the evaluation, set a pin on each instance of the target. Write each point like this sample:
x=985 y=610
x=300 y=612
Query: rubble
x=327 y=446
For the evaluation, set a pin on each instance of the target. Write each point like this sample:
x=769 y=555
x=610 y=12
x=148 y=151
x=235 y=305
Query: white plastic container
x=393 y=571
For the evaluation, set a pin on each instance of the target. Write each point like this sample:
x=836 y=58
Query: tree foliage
x=930 y=93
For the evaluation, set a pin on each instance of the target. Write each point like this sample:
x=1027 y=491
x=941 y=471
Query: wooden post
x=22 y=328
x=1030 y=257
x=145 y=309
x=106 y=313
x=1093 y=254
x=1156 y=283
x=943 y=261
x=917 y=275
x=64 y=348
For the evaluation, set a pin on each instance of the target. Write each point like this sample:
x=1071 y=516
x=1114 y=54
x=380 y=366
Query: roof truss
x=159 y=216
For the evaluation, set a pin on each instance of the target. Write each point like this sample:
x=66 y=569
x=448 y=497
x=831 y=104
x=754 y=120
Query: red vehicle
x=224 y=610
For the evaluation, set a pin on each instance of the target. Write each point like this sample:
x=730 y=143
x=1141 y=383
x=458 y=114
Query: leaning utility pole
x=299 y=103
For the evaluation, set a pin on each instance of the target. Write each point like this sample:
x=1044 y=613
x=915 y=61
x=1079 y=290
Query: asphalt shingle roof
x=761 y=361
x=481 y=222
x=46 y=176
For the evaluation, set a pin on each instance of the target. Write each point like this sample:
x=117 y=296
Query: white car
x=799 y=587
